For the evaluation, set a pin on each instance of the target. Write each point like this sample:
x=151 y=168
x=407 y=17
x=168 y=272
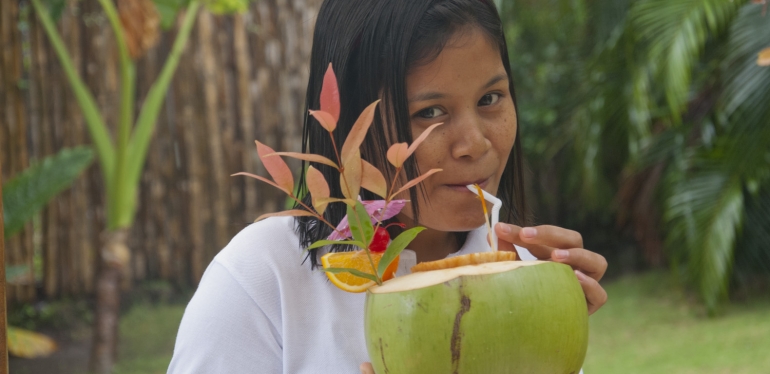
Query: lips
x=461 y=187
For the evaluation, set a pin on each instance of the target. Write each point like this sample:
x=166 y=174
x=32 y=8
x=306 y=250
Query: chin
x=458 y=223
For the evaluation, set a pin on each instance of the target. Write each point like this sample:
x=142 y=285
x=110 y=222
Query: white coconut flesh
x=424 y=279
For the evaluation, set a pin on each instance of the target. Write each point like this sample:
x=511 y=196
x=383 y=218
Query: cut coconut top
x=429 y=278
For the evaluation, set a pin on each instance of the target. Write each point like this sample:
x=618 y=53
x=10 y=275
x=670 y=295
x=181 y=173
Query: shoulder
x=270 y=243
x=264 y=258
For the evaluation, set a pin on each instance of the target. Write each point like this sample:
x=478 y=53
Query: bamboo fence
x=241 y=78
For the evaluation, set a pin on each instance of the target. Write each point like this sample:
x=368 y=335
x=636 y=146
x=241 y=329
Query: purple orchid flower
x=377 y=211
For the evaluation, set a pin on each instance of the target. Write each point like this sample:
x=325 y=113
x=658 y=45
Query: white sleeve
x=224 y=330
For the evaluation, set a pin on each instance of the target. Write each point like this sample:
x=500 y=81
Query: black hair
x=372 y=44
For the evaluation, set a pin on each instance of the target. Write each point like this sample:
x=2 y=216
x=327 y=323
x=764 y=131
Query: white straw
x=496 y=205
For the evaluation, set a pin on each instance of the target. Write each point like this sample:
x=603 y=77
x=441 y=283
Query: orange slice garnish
x=359 y=261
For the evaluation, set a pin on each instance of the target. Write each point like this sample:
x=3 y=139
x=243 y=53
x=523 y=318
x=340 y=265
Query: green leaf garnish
x=355 y=272
x=395 y=248
x=322 y=243
x=360 y=224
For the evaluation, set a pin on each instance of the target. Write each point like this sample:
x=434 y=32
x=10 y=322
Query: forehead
x=468 y=60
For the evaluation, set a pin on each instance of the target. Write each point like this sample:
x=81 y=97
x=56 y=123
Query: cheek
x=505 y=134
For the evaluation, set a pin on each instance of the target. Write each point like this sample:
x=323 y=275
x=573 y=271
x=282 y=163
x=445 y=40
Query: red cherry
x=380 y=240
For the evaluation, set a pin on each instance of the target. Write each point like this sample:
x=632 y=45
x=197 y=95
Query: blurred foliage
x=27 y=193
x=28 y=344
x=651 y=116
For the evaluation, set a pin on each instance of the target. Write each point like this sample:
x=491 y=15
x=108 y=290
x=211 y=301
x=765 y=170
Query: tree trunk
x=3 y=319
x=114 y=257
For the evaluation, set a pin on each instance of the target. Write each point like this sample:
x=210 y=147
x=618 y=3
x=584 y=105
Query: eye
x=489 y=99
x=431 y=112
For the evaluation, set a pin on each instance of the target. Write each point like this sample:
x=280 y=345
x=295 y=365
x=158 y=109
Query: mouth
x=461 y=187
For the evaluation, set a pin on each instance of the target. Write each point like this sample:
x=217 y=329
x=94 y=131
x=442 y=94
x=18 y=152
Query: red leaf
x=358 y=131
x=330 y=95
x=306 y=157
x=373 y=180
x=276 y=167
x=319 y=189
x=287 y=213
x=415 y=181
x=420 y=139
x=397 y=154
x=325 y=119
x=263 y=179
x=321 y=204
x=350 y=178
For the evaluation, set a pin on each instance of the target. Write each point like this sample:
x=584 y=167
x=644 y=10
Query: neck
x=430 y=244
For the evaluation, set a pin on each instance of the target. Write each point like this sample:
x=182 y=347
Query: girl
x=260 y=306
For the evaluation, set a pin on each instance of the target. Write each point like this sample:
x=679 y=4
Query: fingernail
x=504 y=228
x=580 y=275
x=528 y=232
x=560 y=254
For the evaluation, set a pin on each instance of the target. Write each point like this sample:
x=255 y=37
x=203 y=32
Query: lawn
x=648 y=326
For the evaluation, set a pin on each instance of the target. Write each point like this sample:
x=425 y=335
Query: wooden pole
x=3 y=319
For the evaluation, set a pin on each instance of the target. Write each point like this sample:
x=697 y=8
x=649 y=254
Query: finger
x=596 y=296
x=503 y=245
x=366 y=368
x=590 y=263
x=552 y=236
x=511 y=234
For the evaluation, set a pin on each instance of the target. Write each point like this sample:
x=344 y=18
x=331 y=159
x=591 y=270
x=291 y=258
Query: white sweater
x=259 y=309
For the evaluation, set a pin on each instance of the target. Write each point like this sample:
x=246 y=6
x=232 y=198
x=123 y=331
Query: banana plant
x=23 y=196
x=122 y=157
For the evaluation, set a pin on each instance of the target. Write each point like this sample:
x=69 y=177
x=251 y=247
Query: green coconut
x=502 y=317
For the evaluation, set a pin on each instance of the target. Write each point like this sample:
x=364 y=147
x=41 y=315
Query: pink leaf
x=287 y=213
x=263 y=179
x=420 y=139
x=358 y=131
x=276 y=167
x=319 y=189
x=378 y=212
x=330 y=95
x=397 y=154
x=415 y=181
x=350 y=178
x=321 y=204
x=373 y=180
x=306 y=157
x=325 y=119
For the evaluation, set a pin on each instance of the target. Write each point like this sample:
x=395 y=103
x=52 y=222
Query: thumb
x=366 y=368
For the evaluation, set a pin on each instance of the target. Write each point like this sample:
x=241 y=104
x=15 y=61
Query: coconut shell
x=505 y=317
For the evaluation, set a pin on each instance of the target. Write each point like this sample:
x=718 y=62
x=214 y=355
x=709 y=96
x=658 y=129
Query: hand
x=559 y=245
x=366 y=368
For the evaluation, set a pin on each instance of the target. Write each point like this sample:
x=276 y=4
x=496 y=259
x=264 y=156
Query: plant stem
x=91 y=114
x=318 y=216
x=336 y=153
x=120 y=207
x=366 y=250
x=148 y=114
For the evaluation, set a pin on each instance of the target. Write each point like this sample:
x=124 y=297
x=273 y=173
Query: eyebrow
x=438 y=95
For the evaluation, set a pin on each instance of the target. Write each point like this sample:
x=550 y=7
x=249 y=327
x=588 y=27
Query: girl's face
x=466 y=88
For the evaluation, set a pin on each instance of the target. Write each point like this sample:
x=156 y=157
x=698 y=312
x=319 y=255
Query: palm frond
x=675 y=33
x=704 y=213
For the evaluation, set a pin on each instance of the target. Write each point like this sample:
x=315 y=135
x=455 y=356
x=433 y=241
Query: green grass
x=649 y=326
x=147 y=335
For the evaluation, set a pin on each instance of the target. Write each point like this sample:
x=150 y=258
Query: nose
x=471 y=138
